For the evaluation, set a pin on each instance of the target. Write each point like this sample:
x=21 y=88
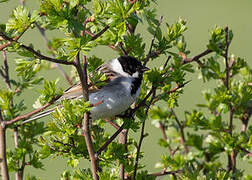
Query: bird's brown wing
x=75 y=91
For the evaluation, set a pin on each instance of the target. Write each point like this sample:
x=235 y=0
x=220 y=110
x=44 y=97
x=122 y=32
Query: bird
x=124 y=74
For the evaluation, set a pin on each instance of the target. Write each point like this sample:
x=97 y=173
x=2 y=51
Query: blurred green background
x=201 y=15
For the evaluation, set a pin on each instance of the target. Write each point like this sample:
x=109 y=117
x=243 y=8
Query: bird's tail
x=39 y=115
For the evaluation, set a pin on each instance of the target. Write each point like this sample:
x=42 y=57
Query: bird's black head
x=131 y=65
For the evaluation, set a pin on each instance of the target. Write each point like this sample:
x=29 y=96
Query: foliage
x=195 y=145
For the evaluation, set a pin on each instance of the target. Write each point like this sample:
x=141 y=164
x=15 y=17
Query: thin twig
x=162 y=129
x=181 y=128
x=112 y=123
x=143 y=133
x=29 y=114
x=22 y=2
x=100 y=33
x=21 y=170
x=226 y=60
x=152 y=42
x=165 y=172
x=125 y=53
x=105 y=145
x=179 y=86
x=61 y=70
x=143 y=102
x=249 y=154
x=197 y=57
x=4 y=71
x=13 y=39
x=166 y=62
x=36 y=53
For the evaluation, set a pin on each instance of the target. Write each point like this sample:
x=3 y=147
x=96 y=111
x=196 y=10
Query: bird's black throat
x=136 y=83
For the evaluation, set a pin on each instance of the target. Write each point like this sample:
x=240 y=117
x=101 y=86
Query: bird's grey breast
x=115 y=98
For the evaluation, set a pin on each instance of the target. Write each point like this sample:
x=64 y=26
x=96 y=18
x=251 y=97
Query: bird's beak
x=144 y=68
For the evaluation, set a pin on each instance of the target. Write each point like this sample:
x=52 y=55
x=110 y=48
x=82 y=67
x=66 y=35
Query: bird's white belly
x=110 y=103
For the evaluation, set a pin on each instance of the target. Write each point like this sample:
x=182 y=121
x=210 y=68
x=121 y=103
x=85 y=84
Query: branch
x=112 y=123
x=246 y=151
x=179 y=86
x=152 y=42
x=181 y=128
x=143 y=102
x=104 y=146
x=100 y=33
x=86 y=118
x=13 y=39
x=4 y=71
x=3 y=160
x=36 y=53
x=162 y=129
x=231 y=158
x=246 y=117
x=125 y=53
x=29 y=114
x=123 y=140
x=226 y=59
x=165 y=172
x=64 y=74
x=196 y=58
x=142 y=134
x=15 y=135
